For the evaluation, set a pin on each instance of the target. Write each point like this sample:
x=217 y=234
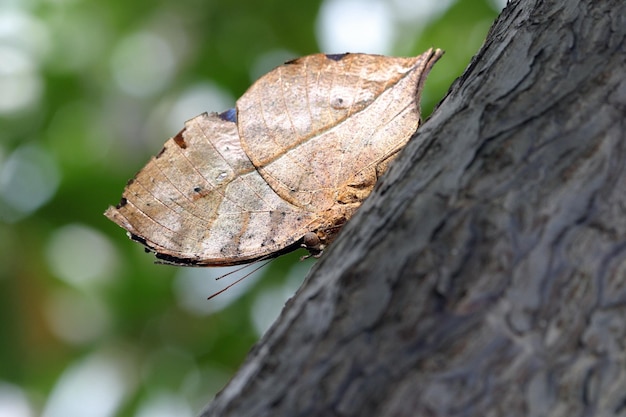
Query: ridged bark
x=486 y=274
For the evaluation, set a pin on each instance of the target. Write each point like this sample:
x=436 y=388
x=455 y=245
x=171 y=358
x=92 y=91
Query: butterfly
x=286 y=168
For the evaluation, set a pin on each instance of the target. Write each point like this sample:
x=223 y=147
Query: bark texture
x=486 y=275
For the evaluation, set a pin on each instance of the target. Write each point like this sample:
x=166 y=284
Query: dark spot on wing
x=336 y=57
x=229 y=115
x=122 y=203
x=180 y=140
x=174 y=260
x=139 y=239
x=292 y=61
x=161 y=152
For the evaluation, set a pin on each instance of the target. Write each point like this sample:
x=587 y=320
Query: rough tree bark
x=486 y=275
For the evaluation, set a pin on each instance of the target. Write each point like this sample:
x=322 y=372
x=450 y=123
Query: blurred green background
x=89 y=90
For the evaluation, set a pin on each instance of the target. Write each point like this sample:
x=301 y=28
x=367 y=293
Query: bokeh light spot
x=266 y=307
x=28 y=179
x=20 y=83
x=77 y=318
x=92 y=387
x=269 y=303
x=24 y=32
x=355 y=26
x=80 y=37
x=164 y=404
x=81 y=256
x=143 y=64
x=413 y=11
x=194 y=100
x=498 y=5
x=192 y=286
x=13 y=402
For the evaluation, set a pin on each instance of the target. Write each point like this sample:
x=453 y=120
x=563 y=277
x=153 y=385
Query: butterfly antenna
x=242 y=267
x=238 y=280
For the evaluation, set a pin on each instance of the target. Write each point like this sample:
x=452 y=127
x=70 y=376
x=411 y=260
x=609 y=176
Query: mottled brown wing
x=201 y=202
x=317 y=127
x=305 y=148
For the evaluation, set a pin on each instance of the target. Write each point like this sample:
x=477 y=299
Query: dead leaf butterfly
x=286 y=168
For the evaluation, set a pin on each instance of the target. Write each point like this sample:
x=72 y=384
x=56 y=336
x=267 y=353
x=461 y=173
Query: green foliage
x=106 y=81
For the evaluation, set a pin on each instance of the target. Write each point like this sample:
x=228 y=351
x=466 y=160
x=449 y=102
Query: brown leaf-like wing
x=317 y=127
x=305 y=148
x=201 y=202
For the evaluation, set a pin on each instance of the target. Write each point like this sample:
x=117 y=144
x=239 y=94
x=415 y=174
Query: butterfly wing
x=201 y=201
x=302 y=150
x=317 y=127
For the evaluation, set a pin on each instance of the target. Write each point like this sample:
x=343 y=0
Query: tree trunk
x=486 y=275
